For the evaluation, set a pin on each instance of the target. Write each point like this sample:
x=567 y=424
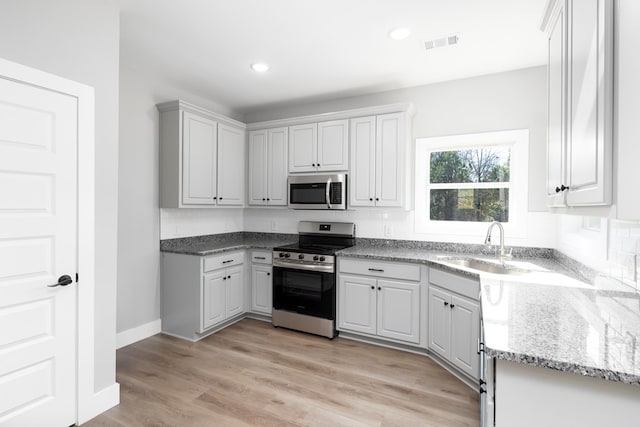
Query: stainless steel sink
x=484 y=265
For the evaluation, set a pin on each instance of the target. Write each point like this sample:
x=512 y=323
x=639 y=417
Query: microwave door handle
x=328 y=193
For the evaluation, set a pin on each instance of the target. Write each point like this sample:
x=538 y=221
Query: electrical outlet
x=274 y=225
x=388 y=230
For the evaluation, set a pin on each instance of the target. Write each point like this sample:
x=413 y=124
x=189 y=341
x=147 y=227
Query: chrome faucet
x=502 y=256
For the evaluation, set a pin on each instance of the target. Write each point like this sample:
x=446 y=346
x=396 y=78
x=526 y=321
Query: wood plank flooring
x=252 y=374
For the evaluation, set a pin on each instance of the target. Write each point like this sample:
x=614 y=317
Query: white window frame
x=518 y=140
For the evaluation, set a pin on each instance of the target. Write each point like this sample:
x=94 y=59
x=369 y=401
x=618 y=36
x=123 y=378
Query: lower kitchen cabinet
x=454 y=320
x=261 y=282
x=200 y=293
x=386 y=308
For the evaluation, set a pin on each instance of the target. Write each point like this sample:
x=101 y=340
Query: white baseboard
x=138 y=333
x=101 y=401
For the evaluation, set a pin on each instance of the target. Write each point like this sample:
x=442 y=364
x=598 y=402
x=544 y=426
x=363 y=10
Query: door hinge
x=77 y=277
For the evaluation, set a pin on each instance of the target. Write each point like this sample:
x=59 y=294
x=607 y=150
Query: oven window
x=308 y=193
x=305 y=292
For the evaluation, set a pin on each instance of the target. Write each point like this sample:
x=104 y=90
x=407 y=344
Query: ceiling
x=322 y=49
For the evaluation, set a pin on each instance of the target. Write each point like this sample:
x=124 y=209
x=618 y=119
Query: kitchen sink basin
x=484 y=265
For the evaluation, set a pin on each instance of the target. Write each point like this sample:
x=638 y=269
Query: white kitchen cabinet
x=268 y=167
x=380 y=163
x=454 y=320
x=380 y=298
x=319 y=147
x=201 y=293
x=202 y=158
x=580 y=131
x=261 y=282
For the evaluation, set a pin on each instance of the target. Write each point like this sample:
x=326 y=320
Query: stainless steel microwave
x=318 y=191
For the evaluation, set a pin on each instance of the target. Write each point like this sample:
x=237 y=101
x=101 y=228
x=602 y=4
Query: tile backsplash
x=624 y=251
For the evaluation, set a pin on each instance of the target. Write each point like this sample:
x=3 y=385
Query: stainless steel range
x=304 y=277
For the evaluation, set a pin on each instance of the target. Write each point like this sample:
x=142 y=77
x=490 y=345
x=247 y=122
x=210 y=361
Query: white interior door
x=38 y=240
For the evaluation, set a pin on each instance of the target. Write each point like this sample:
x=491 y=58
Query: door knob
x=62 y=281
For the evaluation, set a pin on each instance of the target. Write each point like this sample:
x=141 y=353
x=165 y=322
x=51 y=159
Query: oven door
x=306 y=292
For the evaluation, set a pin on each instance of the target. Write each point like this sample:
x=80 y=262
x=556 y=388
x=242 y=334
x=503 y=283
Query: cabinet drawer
x=225 y=260
x=455 y=283
x=391 y=270
x=261 y=257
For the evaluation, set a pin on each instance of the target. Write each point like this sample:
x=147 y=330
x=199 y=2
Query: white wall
x=78 y=40
x=139 y=231
x=510 y=100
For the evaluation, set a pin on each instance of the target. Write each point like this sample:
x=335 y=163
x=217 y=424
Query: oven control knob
x=316 y=257
x=322 y=258
x=301 y=256
x=287 y=255
x=281 y=254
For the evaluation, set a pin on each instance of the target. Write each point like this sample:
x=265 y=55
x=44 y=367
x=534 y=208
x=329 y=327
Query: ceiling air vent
x=442 y=41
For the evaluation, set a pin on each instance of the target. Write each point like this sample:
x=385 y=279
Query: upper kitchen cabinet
x=268 y=167
x=202 y=158
x=580 y=84
x=317 y=147
x=380 y=164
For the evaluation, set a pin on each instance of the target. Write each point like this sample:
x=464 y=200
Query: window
x=464 y=182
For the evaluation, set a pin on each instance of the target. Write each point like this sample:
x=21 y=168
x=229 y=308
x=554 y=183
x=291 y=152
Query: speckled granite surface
x=219 y=243
x=570 y=326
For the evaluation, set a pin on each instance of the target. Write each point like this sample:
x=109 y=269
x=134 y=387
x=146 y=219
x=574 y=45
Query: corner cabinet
x=381 y=299
x=380 y=161
x=454 y=320
x=201 y=294
x=202 y=158
x=268 y=167
x=319 y=147
x=580 y=86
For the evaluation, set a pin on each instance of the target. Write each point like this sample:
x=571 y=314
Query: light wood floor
x=252 y=374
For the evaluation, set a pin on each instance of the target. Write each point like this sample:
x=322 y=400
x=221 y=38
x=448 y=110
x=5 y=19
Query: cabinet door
x=231 y=164
x=234 y=291
x=465 y=324
x=199 y=153
x=363 y=162
x=590 y=102
x=390 y=159
x=213 y=299
x=333 y=145
x=261 y=289
x=556 y=142
x=399 y=310
x=277 y=167
x=257 y=167
x=357 y=304
x=303 y=148
x=439 y=322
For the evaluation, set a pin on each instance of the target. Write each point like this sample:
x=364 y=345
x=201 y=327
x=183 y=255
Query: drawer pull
x=377 y=269
x=259 y=257
x=227 y=261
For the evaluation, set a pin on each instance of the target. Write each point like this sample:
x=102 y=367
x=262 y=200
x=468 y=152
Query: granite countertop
x=550 y=317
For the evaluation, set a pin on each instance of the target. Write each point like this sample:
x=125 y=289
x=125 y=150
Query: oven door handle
x=328 y=193
x=318 y=268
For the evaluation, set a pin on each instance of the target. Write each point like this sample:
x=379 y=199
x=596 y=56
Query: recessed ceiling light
x=259 y=67
x=399 y=33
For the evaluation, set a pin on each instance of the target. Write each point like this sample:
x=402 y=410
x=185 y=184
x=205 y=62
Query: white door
x=439 y=322
x=261 y=285
x=235 y=291
x=38 y=241
x=333 y=145
x=357 y=304
x=231 y=166
x=363 y=162
x=257 y=167
x=465 y=327
x=303 y=148
x=199 y=150
x=214 y=298
x=399 y=310
x=277 y=167
x=390 y=152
